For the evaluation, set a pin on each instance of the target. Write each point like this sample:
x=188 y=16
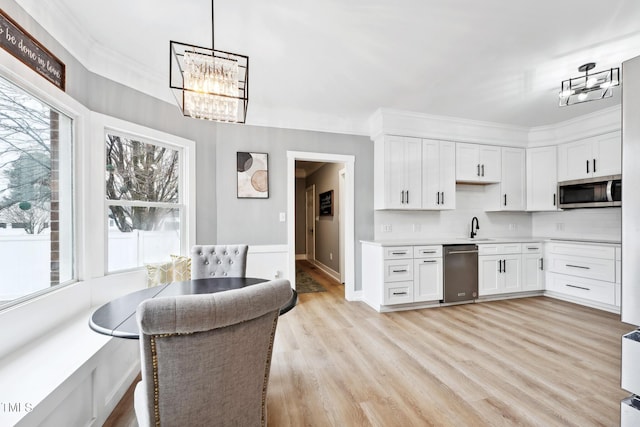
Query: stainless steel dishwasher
x=460 y=272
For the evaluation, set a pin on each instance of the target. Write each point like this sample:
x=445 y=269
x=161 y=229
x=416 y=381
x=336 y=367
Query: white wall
x=471 y=200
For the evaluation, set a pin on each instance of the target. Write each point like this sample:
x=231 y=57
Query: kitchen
x=217 y=209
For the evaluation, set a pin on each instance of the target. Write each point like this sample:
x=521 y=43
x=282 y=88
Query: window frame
x=186 y=192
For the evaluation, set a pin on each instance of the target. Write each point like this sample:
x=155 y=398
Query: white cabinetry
x=583 y=273
x=393 y=275
x=398 y=173
x=591 y=157
x=532 y=267
x=509 y=195
x=427 y=273
x=499 y=268
x=476 y=163
x=413 y=173
x=542 y=179
x=438 y=174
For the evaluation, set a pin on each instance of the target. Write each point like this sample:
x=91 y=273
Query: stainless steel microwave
x=598 y=192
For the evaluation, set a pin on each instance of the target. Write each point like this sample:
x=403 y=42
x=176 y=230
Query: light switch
x=283 y=217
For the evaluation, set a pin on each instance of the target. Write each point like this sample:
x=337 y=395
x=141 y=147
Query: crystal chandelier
x=207 y=83
x=589 y=87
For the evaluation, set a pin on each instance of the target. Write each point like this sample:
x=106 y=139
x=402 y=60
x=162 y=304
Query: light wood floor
x=531 y=361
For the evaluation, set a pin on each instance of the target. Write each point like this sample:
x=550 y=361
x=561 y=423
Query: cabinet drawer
x=591 y=268
x=398 y=252
x=398 y=270
x=582 y=288
x=427 y=251
x=500 y=249
x=532 y=248
x=579 y=250
x=398 y=293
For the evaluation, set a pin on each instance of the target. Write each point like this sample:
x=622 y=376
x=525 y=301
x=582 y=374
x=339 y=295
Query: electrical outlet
x=559 y=226
x=513 y=227
x=331 y=256
x=386 y=228
x=417 y=228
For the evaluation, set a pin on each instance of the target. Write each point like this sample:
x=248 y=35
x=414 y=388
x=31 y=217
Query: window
x=36 y=197
x=143 y=187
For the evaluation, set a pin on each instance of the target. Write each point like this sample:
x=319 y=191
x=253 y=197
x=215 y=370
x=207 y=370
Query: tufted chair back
x=218 y=261
x=206 y=358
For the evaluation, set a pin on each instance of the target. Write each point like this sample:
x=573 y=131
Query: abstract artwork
x=253 y=175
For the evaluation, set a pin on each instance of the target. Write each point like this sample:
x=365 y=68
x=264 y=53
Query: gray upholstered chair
x=206 y=358
x=218 y=261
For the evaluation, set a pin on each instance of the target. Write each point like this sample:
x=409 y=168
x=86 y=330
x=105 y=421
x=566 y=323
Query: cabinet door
x=532 y=273
x=542 y=179
x=447 y=175
x=427 y=280
x=511 y=273
x=574 y=160
x=413 y=176
x=394 y=156
x=490 y=163
x=438 y=174
x=431 y=174
x=513 y=179
x=607 y=155
x=489 y=276
x=467 y=162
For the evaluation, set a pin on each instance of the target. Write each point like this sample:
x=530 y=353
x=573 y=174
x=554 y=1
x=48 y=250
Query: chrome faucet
x=473 y=233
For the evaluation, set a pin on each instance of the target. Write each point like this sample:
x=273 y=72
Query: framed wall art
x=326 y=203
x=253 y=175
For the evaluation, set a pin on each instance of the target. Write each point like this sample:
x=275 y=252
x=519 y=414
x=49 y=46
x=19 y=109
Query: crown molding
x=385 y=121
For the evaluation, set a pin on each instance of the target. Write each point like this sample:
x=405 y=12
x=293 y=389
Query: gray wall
x=221 y=217
x=327 y=227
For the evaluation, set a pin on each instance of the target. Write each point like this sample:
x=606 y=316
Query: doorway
x=346 y=214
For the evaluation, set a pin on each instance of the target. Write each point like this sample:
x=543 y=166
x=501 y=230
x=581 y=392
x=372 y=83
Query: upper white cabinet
x=438 y=174
x=476 y=163
x=509 y=195
x=542 y=179
x=591 y=157
x=398 y=174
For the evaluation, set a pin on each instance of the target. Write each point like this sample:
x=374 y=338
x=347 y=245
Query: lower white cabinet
x=584 y=273
x=532 y=267
x=393 y=275
x=427 y=279
x=499 y=274
x=509 y=268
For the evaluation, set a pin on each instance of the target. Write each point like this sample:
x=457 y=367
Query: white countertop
x=480 y=240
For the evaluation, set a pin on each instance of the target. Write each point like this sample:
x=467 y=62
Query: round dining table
x=118 y=317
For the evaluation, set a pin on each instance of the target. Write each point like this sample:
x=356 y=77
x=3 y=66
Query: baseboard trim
x=301 y=257
x=331 y=272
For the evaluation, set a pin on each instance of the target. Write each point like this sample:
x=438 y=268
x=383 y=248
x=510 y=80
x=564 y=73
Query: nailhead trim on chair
x=267 y=368
x=154 y=363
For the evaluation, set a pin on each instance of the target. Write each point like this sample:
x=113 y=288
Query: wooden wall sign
x=19 y=43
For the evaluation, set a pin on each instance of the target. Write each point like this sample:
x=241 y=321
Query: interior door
x=310 y=206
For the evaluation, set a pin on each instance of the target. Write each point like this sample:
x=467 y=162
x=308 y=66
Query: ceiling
x=328 y=65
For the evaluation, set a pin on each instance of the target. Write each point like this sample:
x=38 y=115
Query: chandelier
x=589 y=87
x=207 y=83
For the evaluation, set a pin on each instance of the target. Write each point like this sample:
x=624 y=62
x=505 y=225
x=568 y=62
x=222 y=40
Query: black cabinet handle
x=478 y=169
x=587 y=166
x=554 y=199
x=400 y=293
x=577 y=287
x=505 y=200
x=578 y=266
x=541 y=263
x=402 y=197
x=407 y=196
x=443 y=197
x=482 y=170
x=594 y=165
x=399 y=271
x=499 y=266
x=438 y=198
x=504 y=265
